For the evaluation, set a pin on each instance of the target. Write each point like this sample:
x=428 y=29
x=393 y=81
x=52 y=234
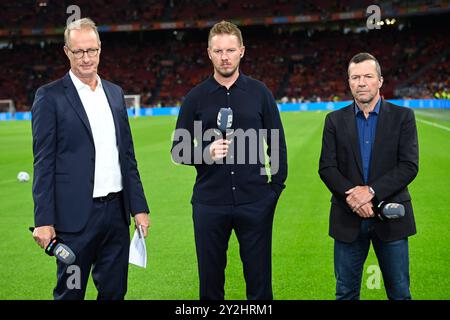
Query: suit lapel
x=75 y=102
x=352 y=133
x=114 y=110
x=381 y=135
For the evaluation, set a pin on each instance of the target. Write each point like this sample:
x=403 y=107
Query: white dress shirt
x=108 y=177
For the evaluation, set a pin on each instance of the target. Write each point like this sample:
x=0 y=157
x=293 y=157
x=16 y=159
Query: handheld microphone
x=224 y=120
x=390 y=211
x=58 y=249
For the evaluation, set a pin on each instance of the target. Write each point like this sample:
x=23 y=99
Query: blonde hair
x=225 y=27
x=84 y=23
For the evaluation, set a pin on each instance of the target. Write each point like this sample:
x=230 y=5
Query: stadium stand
x=298 y=62
x=47 y=13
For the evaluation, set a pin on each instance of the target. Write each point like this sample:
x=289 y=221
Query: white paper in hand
x=138 y=251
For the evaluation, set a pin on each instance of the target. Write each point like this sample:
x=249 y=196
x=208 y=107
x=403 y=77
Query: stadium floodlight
x=133 y=101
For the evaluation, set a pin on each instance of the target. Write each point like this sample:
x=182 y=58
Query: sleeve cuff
x=277 y=188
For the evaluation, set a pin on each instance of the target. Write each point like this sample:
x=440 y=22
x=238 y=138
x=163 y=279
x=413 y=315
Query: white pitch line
x=433 y=124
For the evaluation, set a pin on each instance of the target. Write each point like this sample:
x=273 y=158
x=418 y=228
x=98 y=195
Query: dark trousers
x=252 y=224
x=393 y=259
x=102 y=245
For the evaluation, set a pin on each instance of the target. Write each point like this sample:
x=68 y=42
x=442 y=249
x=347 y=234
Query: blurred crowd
x=297 y=63
x=47 y=13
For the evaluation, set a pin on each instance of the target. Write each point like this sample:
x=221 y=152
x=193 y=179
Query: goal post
x=133 y=101
x=7 y=105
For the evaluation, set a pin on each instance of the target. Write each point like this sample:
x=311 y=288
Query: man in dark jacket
x=369 y=155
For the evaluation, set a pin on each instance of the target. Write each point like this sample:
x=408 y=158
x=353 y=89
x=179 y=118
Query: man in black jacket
x=231 y=191
x=369 y=154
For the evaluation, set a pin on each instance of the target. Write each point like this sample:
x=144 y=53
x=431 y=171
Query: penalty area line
x=433 y=124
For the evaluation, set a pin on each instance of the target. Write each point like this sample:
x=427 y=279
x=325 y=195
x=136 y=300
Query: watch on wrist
x=371 y=191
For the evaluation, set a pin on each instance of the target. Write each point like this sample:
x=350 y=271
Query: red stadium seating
x=295 y=62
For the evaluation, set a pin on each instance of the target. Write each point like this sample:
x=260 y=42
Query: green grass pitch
x=302 y=249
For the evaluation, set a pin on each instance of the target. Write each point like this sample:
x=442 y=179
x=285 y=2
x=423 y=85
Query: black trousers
x=252 y=224
x=102 y=245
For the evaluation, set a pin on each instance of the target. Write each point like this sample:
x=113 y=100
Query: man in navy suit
x=86 y=182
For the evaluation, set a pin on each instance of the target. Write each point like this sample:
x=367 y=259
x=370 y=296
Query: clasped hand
x=359 y=199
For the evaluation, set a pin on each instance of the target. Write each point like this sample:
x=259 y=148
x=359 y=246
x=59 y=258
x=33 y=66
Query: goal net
x=133 y=102
x=7 y=105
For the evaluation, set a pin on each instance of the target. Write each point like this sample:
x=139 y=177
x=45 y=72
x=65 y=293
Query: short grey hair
x=84 y=23
x=364 y=56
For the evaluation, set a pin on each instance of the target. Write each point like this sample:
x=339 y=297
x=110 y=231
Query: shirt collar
x=241 y=83
x=79 y=85
x=376 y=110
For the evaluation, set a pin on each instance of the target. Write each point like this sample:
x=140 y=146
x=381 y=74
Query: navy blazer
x=394 y=165
x=64 y=156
